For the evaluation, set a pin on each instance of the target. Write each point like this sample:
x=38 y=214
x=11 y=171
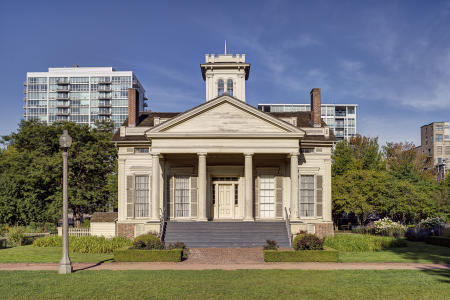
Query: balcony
x=62 y=113
x=340 y=114
x=62 y=97
x=104 y=104
x=104 y=81
x=62 y=88
x=104 y=89
x=64 y=104
x=104 y=112
x=104 y=97
x=62 y=81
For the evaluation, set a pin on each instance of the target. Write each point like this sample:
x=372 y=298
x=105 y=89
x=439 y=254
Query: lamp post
x=65 y=265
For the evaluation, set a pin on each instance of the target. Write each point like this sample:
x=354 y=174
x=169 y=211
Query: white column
x=155 y=186
x=294 y=186
x=248 y=187
x=202 y=187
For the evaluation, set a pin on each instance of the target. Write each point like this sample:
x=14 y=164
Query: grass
x=418 y=252
x=363 y=242
x=46 y=255
x=216 y=284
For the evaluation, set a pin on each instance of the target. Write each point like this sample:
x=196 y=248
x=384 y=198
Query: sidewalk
x=233 y=266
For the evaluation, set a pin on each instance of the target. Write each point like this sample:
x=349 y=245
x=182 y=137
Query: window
x=446 y=137
x=350 y=110
x=438 y=138
x=182 y=196
x=447 y=150
x=267 y=196
x=220 y=87
x=306 y=194
x=439 y=150
x=141 y=150
x=439 y=160
x=439 y=127
x=142 y=203
x=230 y=87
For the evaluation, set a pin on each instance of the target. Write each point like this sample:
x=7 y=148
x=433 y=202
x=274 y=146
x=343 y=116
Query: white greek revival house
x=224 y=162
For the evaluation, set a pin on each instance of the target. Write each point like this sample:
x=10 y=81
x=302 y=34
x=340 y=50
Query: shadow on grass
x=420 y=251
x=94 y=265
x=443 y=275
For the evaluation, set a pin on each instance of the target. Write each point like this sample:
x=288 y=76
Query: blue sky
x=392 y=58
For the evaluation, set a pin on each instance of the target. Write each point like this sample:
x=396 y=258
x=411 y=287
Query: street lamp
x=65 y=265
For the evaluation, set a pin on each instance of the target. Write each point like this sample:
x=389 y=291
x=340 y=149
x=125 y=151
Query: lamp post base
x=65 y=268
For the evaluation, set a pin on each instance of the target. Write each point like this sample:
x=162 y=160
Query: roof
x=104 y=217
x=146 y=119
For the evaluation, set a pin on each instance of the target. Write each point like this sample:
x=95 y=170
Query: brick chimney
x=133 y=107
x=316 y=118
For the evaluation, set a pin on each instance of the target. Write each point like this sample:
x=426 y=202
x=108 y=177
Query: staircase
x=226 y=234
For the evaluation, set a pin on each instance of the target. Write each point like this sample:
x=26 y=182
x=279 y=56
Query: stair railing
x=162 y=224
x=288 y=225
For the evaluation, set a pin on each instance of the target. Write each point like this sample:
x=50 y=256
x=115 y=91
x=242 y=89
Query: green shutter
x=193 y=196
x=171 y=196
x=130 y=196
x=256 y=195
x=278 y=196
x=319 y=195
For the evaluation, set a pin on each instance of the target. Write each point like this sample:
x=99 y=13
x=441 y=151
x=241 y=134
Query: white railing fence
x=76 y=231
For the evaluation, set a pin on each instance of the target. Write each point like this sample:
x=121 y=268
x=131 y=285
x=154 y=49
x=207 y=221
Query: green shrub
x=148 y=242
x=136 y=255
x=16 y=235
x=308 y=241
x=85 y=244
x=438 y=240
x=327 y=254
x=270 y=245
x=362 y=242
x=86 y=223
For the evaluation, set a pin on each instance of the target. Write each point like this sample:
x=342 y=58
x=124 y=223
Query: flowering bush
x=431 y=223
x=388 y=227
x=308 y=241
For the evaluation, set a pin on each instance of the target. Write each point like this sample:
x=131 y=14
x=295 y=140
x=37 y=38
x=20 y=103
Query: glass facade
x=83 y=99
x=341 y=118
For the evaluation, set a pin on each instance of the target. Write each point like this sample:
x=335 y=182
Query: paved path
x=229 y=266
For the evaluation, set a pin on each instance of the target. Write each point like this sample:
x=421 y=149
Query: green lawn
x=46 y=255
x=215 y=284
x=415 y=252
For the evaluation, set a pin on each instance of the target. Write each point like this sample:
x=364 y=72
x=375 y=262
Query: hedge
x=438 y=240
x=86 y=244
x=352 y=242
x=328 y=254
x=135 y=255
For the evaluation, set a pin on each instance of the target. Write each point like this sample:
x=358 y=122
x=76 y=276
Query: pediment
x=225 y=116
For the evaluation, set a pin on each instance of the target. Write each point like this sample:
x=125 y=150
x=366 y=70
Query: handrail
x=162 y=224
x=288 y=225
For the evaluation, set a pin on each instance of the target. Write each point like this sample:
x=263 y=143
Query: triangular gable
x=225 y=115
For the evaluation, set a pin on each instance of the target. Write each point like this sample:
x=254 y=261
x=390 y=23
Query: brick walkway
x=221 y=256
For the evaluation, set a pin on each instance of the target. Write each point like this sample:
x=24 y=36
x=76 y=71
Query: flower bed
x=135 y=255
x=326 y=255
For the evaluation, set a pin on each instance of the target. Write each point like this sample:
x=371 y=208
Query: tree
x=31 y=171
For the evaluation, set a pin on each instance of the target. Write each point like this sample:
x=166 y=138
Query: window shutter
x=193 y=196
x=256 y=193
x=172 y=196
x=279 y=197
x=130 y=196
x=319 y=195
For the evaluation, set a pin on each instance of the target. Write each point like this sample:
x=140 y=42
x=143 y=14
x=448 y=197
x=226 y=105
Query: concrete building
x=80 y=94
x=341 y=118
x=224 y=167
x=435 y=145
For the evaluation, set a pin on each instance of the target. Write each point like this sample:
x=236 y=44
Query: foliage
x=327 y=254
x=362 y=242
x=432 y=223
x=86 y=224
x=418 y=233
x=270 y=245
x=31 y=172
x=394 y=185
x=16 y=235
x=179 y=245
x=85 y=244
x=388 y=227
x=308 y=241
x=137 y=255
x=438 y=240
x=148 y=242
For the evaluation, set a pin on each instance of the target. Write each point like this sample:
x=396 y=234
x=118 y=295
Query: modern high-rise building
x=341 y=118
x=80 y=94
x=435 y=145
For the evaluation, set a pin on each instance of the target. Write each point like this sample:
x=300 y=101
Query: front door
x=225 y=195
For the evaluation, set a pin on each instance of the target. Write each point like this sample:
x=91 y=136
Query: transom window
x=306 y=196
x=220 y=87
x=267 y=196
x=230 y=87
x=142 y=203
x=224 y=179
x=182 y=196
